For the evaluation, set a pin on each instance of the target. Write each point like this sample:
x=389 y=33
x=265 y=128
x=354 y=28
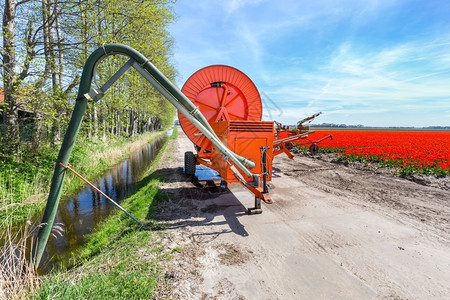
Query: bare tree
x=12 y=78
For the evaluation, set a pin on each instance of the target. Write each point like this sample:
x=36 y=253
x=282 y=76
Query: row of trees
x=45 y=44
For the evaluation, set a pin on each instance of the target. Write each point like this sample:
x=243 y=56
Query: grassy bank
x=24 y=183
x=122 y=259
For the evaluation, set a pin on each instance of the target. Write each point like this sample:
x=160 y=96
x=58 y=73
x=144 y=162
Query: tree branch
x=74 y=82
x=22 y=2
x=30 y=52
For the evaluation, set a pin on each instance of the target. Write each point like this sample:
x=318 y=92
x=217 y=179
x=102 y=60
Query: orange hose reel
x=231 y=104
x=221 y=93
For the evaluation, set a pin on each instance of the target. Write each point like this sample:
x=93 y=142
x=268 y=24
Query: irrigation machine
x=219 y=109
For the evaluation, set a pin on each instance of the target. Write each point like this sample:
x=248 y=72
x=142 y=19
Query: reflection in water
x=79 y=214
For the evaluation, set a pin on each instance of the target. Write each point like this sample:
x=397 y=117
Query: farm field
x=409 y=152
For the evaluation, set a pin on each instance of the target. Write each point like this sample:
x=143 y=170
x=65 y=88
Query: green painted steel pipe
x=63 y=157
x=75 y=123
x=171 y=89
x=178 y=95
x=241 y=162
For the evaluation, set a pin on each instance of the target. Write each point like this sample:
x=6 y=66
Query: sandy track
x=333 y=232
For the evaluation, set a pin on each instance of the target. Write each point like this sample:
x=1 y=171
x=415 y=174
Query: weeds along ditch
x=121 y=260
x=23 y=193
x=24 y=183
x=79 y=214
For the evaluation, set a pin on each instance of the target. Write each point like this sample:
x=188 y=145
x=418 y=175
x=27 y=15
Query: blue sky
x=375 y=63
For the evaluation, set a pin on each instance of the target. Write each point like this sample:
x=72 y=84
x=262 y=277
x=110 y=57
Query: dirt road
x=333 y=232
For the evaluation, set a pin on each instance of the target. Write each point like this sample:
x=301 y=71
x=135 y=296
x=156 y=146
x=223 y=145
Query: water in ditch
x=79 y=214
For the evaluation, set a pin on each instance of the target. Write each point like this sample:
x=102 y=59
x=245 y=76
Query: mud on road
x=333 y=232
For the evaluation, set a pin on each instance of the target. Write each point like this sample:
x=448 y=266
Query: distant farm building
x=26 y=116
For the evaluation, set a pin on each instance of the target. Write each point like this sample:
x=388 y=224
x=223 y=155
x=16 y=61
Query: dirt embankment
x=333 y=232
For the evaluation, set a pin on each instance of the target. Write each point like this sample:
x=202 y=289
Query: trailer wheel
x=314 y=149
x=289 y=145
x=189 y=163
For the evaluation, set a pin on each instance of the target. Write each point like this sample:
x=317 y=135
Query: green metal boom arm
x=162 y=84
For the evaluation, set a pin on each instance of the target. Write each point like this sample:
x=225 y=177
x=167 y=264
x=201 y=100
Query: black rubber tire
x=289 y=145
x=314 y=149
x=189 y=163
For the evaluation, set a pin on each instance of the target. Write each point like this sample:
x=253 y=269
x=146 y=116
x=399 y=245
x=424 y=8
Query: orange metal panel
x=246 y=139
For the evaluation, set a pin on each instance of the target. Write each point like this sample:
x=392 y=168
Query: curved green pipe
x=64 y=155
x=75 y=123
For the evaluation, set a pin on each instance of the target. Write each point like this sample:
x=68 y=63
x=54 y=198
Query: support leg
x=257 y=209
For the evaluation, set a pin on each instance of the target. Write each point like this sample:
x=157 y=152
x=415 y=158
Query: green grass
x=20 y=180
x=123 y=270
x=24 y=184
x=123 y=267
x=302 y=148
x=121 y=260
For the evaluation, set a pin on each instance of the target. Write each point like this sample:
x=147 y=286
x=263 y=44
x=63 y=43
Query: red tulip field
x=409 y=152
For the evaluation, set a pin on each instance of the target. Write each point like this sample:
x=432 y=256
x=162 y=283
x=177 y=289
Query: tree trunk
x=104 y=124
x=118 y=125
x=59 y=40
x=94 y=120
x=10 y=110
x=36 y=139
x=48 y=25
